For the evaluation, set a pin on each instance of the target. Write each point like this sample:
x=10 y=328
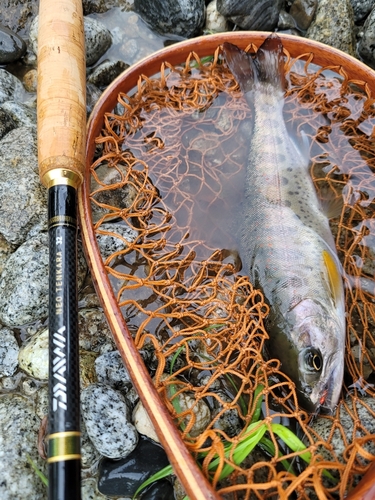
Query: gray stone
x=97 y=39
x=8 y=352
x=303 y=12
x=10 y=87
x=107 y=421
x=215 y=22
x=182 y=18
x=24 y=282
x=334 y=25
x=117 y=238
x=94 y=334
x=106 y=72
x=361 y=8
x=20 y=114
x=33 y=356
x=89 y=490
x=92 y=96
x=17 y=15
x=23 y=201
x=19 y=426
x=111 y=371
x=255 y=15
x=6 y=123
x=12 y=47
x=366 y=46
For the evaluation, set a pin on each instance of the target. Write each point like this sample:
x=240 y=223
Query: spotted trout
x=286 y=245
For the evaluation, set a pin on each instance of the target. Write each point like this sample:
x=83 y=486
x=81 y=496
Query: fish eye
x=313 y=360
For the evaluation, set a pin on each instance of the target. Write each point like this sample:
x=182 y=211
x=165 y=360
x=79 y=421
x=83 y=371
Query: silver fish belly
x=286 y=245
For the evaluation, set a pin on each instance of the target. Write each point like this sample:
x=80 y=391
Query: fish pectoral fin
x=334 y=276
x=332 y=207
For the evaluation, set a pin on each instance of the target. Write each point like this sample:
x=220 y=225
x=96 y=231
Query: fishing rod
x=61 y=107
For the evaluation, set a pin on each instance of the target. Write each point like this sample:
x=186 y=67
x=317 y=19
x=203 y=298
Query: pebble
x=110 y=370
x=106 y=72
x=89 y=490
x=12 y=47
x=97 y=39
x=19 y=427
x=334 y=25
x=107 y=421
x=303 y=12
x=10 y=86
x=182 y=18
x=160 y=490
x=33 y=356
x=24 y=282
x=361 y=8
x=8 y=352
x=110 y=243
x=255 y=15
x=21 y=114
x=215 y=22
x=23 y=198
x=143 y=422
x=94 y=334
x=123 y=477
x=6 y=124
x=30 y=80
x=366 y=46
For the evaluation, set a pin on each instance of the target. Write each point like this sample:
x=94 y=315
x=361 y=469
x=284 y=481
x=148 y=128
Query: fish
x=285 y=243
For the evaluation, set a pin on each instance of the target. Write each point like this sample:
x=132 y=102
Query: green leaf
x=38 y=472
x=161 y=474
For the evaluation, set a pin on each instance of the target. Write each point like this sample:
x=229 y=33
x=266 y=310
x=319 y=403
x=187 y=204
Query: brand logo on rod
x=58 y=369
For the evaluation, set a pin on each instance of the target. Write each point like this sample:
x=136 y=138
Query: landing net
x=166 y=182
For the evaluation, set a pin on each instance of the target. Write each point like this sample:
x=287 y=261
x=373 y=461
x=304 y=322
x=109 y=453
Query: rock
x=107 y=421
x=8 y=352
x=286 y=21
x=123 y=477
x=119 y=239
x=101 y=6
x=94 y=334
x=6 y=123
x=30 y=80
x=161 y=490
x=110 y=370
x=200 y=409
x=366 y=46
x=339 y=440
x=89 y=490
x=20 y=114
x=90 y=455
x=303 y=12
x=97 y=39
x=183 y=18
x=12 y=47
x=106 y=72
x=92 y=96
x=19 y=427
x=143 y=422
x=24 y=282
x=33 y=356
x=23 y=201
x=10 y=87
x=361 y=8
x=334 y=25
x=17 y=15
x=255 y=15
x=215 y=22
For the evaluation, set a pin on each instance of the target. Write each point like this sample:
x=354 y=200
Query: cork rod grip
x=61 y=92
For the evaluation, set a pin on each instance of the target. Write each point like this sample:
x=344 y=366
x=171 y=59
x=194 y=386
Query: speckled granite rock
x=110 y=243
x=366 y=46
x=361 y=8
x=24 y=282
x=111 y=371
x=19 y=426
x=8 y=352
x=107 y=421
x=33 y=356
x=334 y=25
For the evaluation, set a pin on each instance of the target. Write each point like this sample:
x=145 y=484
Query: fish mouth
x=328 y=394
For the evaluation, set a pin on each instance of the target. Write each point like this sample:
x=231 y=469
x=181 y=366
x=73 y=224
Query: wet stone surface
x=123 y=477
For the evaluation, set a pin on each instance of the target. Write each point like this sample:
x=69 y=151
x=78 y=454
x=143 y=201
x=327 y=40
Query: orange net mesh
x=169 y=164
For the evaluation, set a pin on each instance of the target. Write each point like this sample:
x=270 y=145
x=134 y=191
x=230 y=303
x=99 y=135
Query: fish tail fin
x=267 y=66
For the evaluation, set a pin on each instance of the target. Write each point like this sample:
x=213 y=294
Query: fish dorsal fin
x=334 y=276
